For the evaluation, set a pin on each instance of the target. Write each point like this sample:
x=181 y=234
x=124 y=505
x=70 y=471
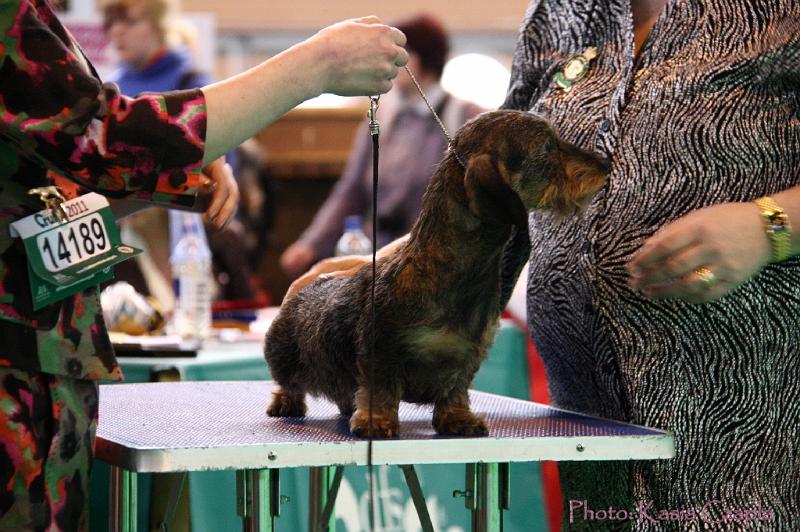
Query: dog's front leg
x=385 y=405
x=453 y=416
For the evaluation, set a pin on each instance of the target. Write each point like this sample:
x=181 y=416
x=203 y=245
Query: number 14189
x=72 y=243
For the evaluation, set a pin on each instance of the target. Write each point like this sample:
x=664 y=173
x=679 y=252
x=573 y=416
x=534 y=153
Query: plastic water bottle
x=191 y=277
x=353 y=241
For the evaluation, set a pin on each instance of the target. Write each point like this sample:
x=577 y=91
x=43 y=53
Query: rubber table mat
x=189 y=426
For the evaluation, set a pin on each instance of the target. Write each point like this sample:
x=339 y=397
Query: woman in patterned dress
x=58 y=120
x=668 y=303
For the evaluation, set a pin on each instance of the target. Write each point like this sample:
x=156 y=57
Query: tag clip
x=52 y=199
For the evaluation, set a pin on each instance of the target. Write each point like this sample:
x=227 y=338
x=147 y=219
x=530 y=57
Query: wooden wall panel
x=311 y=143
x=302 y=15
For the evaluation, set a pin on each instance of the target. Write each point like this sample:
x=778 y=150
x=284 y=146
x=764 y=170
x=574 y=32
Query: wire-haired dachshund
x=438 y=296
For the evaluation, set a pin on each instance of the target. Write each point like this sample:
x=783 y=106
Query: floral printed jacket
x=58 y=119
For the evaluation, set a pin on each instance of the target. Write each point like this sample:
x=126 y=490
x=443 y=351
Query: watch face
x=775 y=228
x=777 y=222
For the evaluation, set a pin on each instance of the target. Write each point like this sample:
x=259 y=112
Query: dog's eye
x=549 y=146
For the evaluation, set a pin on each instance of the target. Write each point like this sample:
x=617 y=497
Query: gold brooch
x=575 y=68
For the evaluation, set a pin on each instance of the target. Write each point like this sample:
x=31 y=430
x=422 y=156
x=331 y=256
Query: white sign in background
x=394 y=509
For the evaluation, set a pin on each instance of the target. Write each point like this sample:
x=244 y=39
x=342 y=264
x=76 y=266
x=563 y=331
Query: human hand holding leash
x=354 y=57
x=361 y=56
x=703 y=255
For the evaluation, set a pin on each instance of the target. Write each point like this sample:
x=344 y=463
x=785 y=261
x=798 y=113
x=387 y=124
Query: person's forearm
x=240 y=106
x=354 y=57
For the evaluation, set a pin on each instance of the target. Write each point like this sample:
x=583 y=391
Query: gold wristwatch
x=779 y=231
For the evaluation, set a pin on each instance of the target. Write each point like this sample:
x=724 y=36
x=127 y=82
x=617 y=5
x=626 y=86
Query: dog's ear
x=490 y=195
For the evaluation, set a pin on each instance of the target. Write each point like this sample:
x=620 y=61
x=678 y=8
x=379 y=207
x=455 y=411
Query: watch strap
x=778 y=228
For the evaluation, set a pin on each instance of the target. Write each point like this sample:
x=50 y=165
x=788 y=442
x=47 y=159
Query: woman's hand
x=328 y=268
x=218 y=181
x=342 y=266
x=361 y=56
x=703 y=255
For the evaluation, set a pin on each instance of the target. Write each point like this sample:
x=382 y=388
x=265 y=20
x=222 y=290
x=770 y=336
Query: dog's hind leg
x=453 y=416
x=385 y=420
x=283 y=354
x=287 y=402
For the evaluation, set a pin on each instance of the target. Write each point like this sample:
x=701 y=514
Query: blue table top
x=187 y=426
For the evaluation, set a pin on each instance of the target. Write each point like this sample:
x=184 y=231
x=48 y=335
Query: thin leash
x=374 y=131
x=450 y=142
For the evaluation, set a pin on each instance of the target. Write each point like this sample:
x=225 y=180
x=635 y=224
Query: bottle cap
x=352 y=223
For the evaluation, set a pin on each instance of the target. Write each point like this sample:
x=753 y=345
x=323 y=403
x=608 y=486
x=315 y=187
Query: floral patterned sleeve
x=59 y=116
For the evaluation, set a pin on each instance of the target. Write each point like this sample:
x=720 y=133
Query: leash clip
x=374 y=126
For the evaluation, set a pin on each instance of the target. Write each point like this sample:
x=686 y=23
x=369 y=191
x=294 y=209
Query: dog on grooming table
x=438 y=295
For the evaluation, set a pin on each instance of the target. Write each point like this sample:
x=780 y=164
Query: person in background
x=58 y=119
x=411 y=146
x=155 y=54
x=152 y=46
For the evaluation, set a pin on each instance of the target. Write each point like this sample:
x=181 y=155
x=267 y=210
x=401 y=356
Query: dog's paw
x=461 y=424
x=284 y=405
x=382 y=426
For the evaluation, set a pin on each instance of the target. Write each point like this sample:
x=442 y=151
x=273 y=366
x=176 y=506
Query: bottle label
x=71 y=254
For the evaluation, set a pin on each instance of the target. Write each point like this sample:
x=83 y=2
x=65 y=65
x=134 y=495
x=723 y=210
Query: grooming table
x=195 y=426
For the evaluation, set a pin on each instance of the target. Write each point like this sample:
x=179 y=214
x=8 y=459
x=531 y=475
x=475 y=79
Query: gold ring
x=706 y=275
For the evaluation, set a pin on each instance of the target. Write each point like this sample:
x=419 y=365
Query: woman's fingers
x=333 y=267
x=362 y=56
x=220 y=182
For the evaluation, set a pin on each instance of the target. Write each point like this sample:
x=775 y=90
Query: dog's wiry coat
x=438 y=296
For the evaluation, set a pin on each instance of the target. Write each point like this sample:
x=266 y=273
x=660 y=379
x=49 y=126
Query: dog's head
x=514 y=161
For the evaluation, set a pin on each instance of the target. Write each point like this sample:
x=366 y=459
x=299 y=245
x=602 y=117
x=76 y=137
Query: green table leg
x=415 y=489
x=257 y=493
x=122 y=497
x=323 y=486
x=487 y=495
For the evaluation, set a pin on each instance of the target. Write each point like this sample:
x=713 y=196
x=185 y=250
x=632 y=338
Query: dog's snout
x=603 y=163
x=583 y=157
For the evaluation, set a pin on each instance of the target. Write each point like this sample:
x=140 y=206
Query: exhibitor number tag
x=73 y=243
x=70 y=253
